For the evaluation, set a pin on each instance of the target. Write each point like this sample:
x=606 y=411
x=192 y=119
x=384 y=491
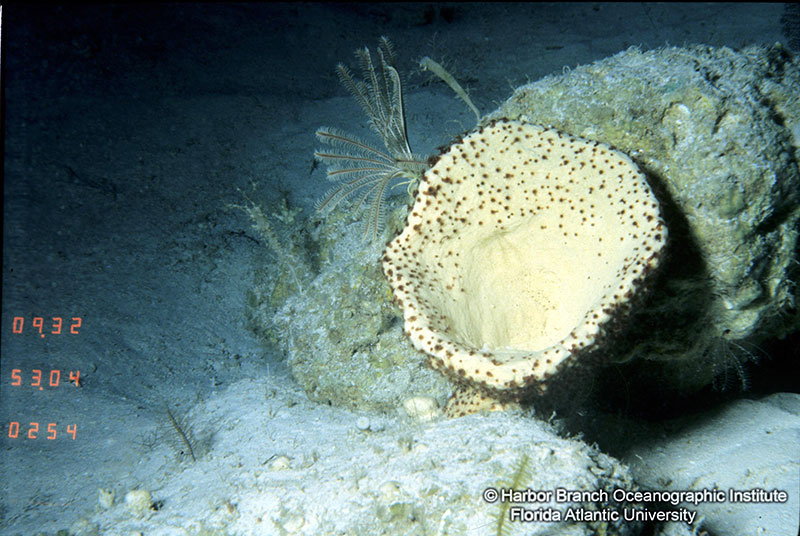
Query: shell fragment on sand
x=523 y=242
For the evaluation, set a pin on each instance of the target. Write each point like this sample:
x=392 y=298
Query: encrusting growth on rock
x=522 y=244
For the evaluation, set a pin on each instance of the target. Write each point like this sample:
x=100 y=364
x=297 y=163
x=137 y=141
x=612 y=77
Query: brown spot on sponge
x=535 y=286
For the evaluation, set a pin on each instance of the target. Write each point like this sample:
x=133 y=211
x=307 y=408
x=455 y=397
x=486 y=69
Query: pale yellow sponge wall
x=522 y=242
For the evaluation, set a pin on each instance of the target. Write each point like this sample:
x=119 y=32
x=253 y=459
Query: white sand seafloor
x=129 y=132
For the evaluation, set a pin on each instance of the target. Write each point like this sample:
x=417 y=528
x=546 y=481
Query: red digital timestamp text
x=55 y=325
x=38 y=380
x=15 y=431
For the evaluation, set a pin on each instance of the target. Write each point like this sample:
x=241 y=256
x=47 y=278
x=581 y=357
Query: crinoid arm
x=350 y=156
x=380 y=95
x=359 y=167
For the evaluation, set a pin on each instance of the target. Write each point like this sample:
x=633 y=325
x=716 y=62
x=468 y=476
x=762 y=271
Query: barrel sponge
x=522 y=244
